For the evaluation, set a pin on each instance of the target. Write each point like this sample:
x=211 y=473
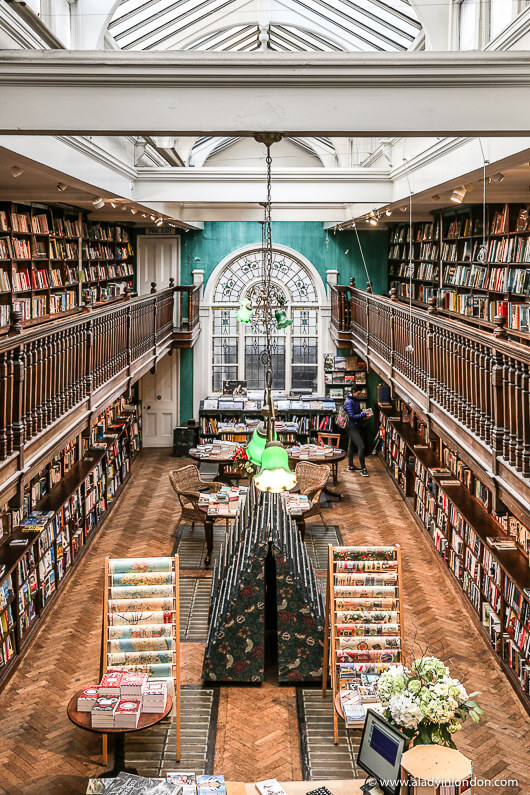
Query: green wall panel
x=204 y=249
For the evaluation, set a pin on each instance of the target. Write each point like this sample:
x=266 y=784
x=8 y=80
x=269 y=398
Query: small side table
x=147 y=719
x=437 y=765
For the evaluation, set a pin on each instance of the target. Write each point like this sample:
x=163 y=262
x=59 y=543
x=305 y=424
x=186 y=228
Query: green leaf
x=474 y=717
x=480 y=711
x=425 y=737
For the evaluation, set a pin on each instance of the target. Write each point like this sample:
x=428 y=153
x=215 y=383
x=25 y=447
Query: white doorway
x=157 y=261
x=159 y=395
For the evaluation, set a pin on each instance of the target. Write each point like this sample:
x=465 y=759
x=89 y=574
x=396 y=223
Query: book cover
x=105 y=704
x=270 y=786
x=211 y=783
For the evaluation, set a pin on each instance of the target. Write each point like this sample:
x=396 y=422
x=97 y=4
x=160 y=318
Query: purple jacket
x=352 y=407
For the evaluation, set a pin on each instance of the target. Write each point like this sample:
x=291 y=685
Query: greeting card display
x=364 y=621
x=141 y=632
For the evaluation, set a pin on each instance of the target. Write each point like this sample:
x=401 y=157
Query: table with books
x=123 y=702
x=188 y=783
x=318 y=454
x=220 y=453
x=223 y=504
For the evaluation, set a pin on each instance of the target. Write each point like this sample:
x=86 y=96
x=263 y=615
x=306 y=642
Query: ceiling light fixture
x=403 y=209
x=134 y=210
x=435 y=197
x=388 y=211
x=152 y=217
x=372 y=219
x=457 y=196
x=123 y=208
x=113 y=205
x=17 y=171
x=98 y=202
x=61 y=186
x=159 y=221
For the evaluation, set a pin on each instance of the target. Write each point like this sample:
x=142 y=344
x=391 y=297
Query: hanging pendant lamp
x=275 y=475
x=282 y=321
x=257 y=443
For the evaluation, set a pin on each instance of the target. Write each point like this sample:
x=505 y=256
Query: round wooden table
x=147 y=719
x=330 y=460
x=220 y=460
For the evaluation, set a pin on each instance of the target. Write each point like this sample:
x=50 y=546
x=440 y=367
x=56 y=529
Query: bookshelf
x=364 y=631
x=235 y=420
x=446 y=263
x=486 y=551
x=51 y=258
x=62 y=508
x=341 y=373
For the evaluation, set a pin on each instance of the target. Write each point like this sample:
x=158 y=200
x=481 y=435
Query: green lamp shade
x=275 y=475
x=282 y=320
x=256 y=446
x=244 y=313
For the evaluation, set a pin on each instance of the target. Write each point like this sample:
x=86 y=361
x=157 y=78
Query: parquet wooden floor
x=257 y=737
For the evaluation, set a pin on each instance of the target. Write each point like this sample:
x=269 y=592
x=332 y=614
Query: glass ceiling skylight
x=292 y=25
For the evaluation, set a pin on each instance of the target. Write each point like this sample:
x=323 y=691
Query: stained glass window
x=238 y=348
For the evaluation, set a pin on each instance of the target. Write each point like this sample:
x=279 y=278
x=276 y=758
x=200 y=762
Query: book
x=154 y=696
x=133 y=684
x=211 y=783
x=270 y=786
x=102 y=712
x=187 y=781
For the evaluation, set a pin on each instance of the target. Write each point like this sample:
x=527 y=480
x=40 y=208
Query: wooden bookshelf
x=71 y=498
x=459 y=524
x=52 y=258
x=446 y=265
x=338 y=382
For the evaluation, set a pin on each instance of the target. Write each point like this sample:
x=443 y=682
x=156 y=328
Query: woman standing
x=357 y=416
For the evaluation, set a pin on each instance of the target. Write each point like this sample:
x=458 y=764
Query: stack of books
x=132 y=685
x=102 y=712
x=87 y=698
x=154 y=696
x=127 y=713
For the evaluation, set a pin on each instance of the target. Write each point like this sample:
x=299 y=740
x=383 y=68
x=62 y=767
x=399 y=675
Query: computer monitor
x=380 y=752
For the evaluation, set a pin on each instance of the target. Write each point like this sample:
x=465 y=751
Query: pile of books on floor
x=358 y=693
x=178 y=783
x=120 y=698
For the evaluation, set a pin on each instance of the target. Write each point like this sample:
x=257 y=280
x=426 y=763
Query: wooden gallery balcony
x=57 y=376
x=472 y=386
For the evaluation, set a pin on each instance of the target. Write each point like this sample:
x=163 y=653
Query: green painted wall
x=203 y=250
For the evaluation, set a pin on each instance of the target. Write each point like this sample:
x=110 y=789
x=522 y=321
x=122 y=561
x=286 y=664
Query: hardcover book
x=87 y=698
x=110 y=684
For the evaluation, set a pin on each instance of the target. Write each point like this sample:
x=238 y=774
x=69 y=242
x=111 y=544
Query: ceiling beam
x=329 y=94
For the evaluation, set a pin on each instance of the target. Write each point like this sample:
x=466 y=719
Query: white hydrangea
x=391 y=682
x=405 y=712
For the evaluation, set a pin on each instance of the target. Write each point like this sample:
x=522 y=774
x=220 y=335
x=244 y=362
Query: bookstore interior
x=264 y=397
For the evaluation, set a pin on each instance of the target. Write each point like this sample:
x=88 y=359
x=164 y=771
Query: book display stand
x=141 y=626
x=263 y=555
x=364 y=614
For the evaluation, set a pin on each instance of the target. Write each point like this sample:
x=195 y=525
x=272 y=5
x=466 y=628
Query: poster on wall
x=235 y=388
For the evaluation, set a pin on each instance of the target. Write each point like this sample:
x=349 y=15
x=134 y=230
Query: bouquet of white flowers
x=425 y=703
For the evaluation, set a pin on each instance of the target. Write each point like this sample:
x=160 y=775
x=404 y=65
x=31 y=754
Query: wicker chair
x=311 y=480
x=187 y=483
x=332 y=439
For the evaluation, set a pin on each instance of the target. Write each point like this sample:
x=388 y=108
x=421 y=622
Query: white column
x=202 y=353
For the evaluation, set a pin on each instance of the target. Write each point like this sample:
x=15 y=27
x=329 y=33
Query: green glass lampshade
x=256 y=446
x=244 y=313
x=275 y=475
x=282 y=321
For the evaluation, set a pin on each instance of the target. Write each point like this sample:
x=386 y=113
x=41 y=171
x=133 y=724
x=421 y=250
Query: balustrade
x=478 y=380
x=46 y=371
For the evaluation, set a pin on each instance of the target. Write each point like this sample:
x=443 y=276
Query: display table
x=147 y=719
x=435 y=764
x=336 y=787
x=222 y=461
x=330 y=460
x=208 y=528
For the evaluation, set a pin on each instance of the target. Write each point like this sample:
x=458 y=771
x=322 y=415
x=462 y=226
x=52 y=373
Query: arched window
x=238 y=348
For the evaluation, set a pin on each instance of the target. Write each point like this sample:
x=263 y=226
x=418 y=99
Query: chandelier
x=263 y=307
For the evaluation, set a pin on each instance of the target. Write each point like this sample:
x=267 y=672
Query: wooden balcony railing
x=56 y=376
x=187 y=326
x=473 y=385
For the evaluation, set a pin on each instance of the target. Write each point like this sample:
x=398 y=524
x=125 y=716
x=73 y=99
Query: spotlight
x=152 y=217
x=159 y=221
x=134 y=210
x=497 y=178
x=388 y=211
x=469 y=187
x=372 y=220
x=123 y=207
x=61 y=186
x=435 y=197
x=404 y=209
x=144 y=215
x=17 y=171
x=98 y=202
x=113 y=205
x=457 y=196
